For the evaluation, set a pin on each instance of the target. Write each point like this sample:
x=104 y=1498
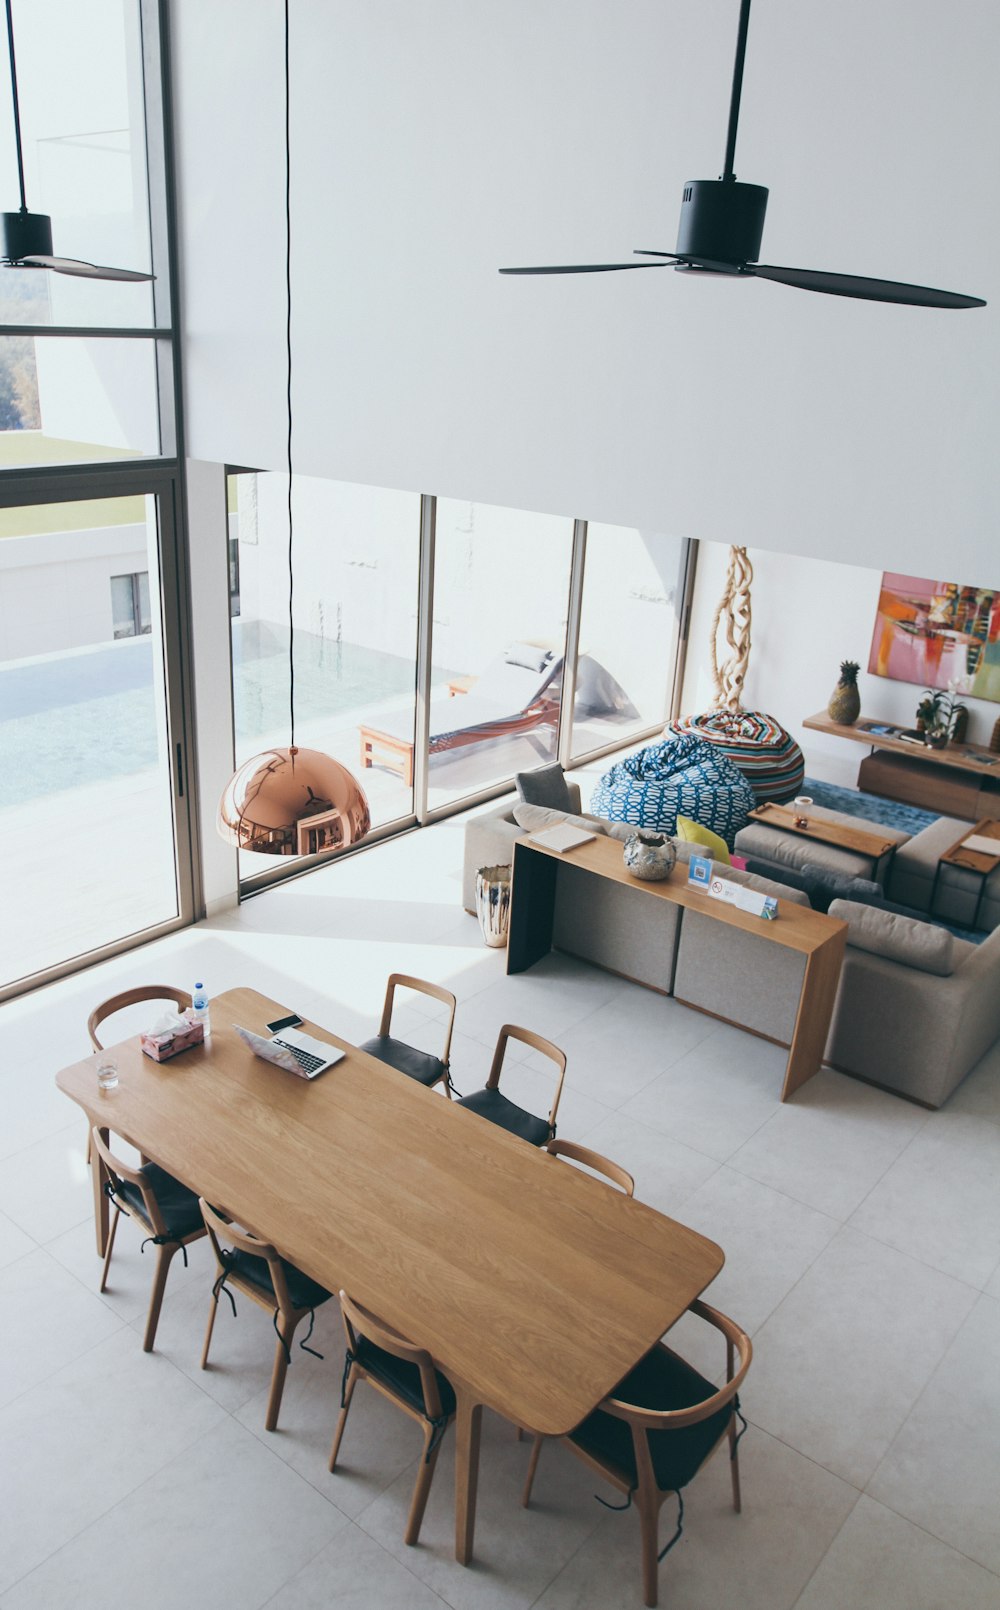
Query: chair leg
x=532 y=1467
x=111 y=1247
x=278 y=1377
x=163 y=1262
x=734 y=1466
x=649 y=1515
x=213 y=1308
x=352 y=1381
x=520 y=1433
x=90 y=1146
x=418 y=1503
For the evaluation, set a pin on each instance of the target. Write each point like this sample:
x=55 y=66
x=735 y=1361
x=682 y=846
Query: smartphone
x=292 y=1021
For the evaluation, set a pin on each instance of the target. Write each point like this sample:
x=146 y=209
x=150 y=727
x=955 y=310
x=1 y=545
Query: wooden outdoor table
x=534 y=1287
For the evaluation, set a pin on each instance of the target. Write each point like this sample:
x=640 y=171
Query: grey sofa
x=792 y=850
x=912 y=875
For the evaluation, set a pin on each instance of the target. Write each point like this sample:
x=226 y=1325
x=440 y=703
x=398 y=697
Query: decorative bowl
x=650 y=856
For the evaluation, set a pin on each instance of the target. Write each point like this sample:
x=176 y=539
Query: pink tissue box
x=161 y=1047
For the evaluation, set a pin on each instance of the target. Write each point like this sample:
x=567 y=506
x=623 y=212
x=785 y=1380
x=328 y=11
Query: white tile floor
x=863 y=1254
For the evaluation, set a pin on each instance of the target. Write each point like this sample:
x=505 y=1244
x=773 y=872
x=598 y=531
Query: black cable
x=288 y=345
x=17 y=109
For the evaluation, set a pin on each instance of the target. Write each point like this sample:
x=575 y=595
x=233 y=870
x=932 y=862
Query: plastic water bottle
x=199 y=1004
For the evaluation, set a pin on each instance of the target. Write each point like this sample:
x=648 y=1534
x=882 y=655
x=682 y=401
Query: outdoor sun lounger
x=512 y=696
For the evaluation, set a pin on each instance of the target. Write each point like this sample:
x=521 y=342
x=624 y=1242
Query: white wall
x=434 y=142
x=808 y=616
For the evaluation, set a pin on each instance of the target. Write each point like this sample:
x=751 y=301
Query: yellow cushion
x=694 y=833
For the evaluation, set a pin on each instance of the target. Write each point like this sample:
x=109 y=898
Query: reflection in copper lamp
x=292 y=801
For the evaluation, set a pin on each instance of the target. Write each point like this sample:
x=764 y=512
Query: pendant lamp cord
x=17 y=109
x=288 y=345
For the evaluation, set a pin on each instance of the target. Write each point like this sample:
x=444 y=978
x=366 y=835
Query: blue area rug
x=887 y=812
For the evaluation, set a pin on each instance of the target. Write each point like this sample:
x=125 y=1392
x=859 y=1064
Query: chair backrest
x=514 y=688
x=510 y=1031
x=406 y=981
x=129 y=997
x=739 y=1352
x=220 y=1225
x=360 y=1321
x=594 y=1161
x=118 y=1171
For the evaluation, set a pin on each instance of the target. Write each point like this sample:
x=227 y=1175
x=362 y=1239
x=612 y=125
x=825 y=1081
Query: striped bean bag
x=766 y=754
x=681 y=777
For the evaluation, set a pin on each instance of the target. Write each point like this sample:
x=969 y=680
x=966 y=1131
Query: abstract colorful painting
x=938 y=634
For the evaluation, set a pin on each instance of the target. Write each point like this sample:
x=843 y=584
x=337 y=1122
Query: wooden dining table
x=534 y=1287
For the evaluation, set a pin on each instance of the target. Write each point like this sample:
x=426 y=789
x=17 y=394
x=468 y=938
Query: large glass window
x=501 y=593
x=356 y=563
x=629 y=628
x=87 y=785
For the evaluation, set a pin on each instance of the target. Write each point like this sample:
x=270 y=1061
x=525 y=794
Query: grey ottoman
x=911 y=879
x=785 y=849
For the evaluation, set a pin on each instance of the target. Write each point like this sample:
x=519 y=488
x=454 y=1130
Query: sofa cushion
x=823 y=885
x=900 y=939
x=544 y=786
x=534 y=817
x=695 y=833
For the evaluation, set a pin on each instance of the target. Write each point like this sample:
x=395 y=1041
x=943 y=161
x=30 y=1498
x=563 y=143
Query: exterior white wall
x=434 y=142
x=808 y=616
x=55 y=587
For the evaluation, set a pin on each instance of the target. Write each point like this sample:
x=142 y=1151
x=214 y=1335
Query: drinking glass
x=801 y=804
x=107 y=1073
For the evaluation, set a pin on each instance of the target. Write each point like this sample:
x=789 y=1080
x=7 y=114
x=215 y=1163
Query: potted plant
x=928 y=708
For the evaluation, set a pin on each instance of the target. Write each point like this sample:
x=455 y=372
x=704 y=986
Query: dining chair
x=657 y=1428
x=594 y=1161
x=490 y=1103
x=404 y=1374
x=164 y=1208
x=130 y=997
x=420 y=1065
x=257 y=1270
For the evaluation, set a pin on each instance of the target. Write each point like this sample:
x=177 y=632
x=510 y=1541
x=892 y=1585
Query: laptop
x=292 y=1050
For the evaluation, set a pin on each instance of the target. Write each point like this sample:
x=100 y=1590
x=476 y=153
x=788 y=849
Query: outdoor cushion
x=179 y=1206
x=684 y=775
x=694 y=833
x=402 y=1377
x=544 y=786
x=658 y=1381
x=305 y=1293
x=492 y=1105
x=419 y=1065
x=529 y=655
x=919 y=945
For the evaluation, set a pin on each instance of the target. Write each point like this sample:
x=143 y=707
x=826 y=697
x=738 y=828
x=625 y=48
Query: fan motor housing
x=26 y=234
x=721 y=221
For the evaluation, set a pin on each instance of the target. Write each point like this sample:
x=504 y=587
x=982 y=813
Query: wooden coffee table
x=977 y=861
x=860 y=840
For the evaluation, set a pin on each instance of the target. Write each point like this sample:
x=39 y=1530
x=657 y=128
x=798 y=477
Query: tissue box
x=171 y=1042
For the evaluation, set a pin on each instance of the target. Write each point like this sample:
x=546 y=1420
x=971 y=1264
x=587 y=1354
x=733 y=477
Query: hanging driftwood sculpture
x=734 y=613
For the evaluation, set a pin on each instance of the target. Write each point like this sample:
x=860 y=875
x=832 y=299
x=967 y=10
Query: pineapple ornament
x=845 y=700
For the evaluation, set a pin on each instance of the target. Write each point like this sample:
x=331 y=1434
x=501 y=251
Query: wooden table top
x=534 y=1284
x=960 y=756
x=797 y=927
x=839 y=833
x=975 y=860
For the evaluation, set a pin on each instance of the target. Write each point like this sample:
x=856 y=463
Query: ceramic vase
x=650 y=856
x=493 y=904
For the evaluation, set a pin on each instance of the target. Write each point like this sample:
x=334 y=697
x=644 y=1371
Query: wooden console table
x=819 y=938
x=959 y=780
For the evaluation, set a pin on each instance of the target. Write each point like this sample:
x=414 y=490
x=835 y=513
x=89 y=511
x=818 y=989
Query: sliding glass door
x=92 y=793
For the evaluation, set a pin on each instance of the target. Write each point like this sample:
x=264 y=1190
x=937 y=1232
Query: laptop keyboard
x=305 y=1059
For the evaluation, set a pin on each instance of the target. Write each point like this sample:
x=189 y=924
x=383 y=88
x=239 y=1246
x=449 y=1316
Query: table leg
x=812 y=1021
x=98 y=1176
x=468 y=1427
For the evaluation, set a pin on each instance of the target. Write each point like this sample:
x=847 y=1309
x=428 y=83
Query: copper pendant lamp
x=292 y=801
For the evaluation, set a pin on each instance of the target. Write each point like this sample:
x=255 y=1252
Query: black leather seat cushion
x=179 y=1206
x=402 y=1377
x=305 y=1293
x=492 y=1105
x=419 y=1065
x=657 y=1382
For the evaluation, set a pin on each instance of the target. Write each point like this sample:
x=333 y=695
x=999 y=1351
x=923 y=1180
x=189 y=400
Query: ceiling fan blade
x=91 y=271
x=584 y=268
x=672 y=255
x=871 y=290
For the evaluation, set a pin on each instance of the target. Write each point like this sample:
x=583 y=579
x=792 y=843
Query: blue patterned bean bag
x=681 y=777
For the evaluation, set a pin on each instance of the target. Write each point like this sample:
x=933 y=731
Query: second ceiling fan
x=722 y=223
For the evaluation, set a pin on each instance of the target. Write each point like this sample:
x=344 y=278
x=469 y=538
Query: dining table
x=535 y=1287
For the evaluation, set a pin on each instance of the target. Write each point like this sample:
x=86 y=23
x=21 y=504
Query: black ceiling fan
x=27 y=236
x=722 y=222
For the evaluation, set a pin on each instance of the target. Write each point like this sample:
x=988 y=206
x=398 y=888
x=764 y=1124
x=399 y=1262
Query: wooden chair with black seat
x=404 y=1374
x=118 y=1003
x=595 y=1162
x=420 y=1065
x=165 y=1210
x=490 y=1103
x=257 y=1270
x=654 y=1432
